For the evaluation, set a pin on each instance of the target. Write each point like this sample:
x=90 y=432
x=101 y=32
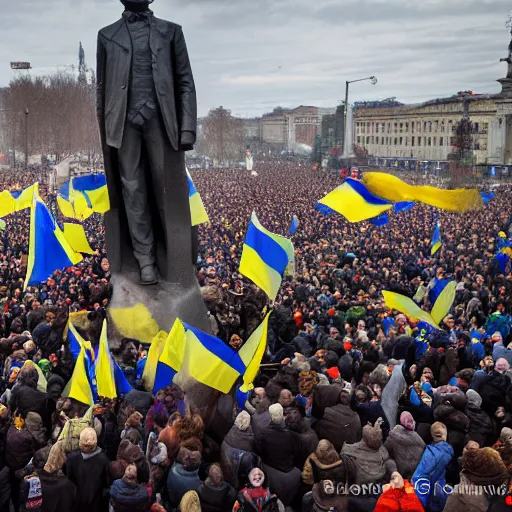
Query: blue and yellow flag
x=355 y=202
x=197 y=210
x=92 y=188
x=48 y=248
x=391 y=188
x=408 y=307
x=104 y=368
x=443 y=301
x=7 y=203
x=75 y=235
x=210 y=361
x=381 y=220
x=252 y=353
x=17 y=200
x=403 y=206
x=155 y=351
x=171 y=358
x=266 y=257
x=76 y=343
x=78 y=386
x=436 y=239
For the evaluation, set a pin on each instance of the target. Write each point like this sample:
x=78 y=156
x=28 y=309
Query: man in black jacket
x=146 y=106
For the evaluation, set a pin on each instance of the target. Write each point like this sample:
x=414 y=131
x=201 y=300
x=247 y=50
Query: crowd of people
x=356 y=407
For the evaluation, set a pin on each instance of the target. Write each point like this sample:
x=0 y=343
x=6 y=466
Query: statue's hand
x=187 y=141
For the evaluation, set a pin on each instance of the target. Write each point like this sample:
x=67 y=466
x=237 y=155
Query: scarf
x=133 y=17
x=35 y=494
x=258 y=496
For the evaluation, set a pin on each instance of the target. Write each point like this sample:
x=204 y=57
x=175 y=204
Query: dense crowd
x=356 y=407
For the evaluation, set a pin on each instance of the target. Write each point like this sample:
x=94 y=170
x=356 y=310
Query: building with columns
x=425 y=131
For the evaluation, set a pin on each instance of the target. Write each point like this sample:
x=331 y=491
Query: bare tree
x=223 y=136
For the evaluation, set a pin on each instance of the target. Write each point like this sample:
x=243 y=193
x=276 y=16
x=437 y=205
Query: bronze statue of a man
x=147 y=113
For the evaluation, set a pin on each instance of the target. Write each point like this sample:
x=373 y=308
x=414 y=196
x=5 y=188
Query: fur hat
x=276 y=413
x=88 y=440
x=188 y=459
x=484 y=467
x=372 y=437
x=506 y=435
x=474 y=399
x=438 y=432
x=326 y=453
x=243 y=421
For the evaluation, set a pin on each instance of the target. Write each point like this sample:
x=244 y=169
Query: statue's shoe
x=148 y=275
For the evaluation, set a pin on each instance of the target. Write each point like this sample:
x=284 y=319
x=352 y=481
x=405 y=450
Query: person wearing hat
x=429 y=479
x=88 y=468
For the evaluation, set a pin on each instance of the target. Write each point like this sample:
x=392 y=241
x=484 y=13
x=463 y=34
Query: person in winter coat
x=405 y=446
x=324 y=464
x=493 y=387
x=51 y=492
x=481 y=427
x=129 y=453
x=371 y=460
x=22 y=442
x=183 y=475
x=480 y=467
x=215 y=494
x=339 y=424
x=307 y=439
x=429 y=479
x=504 y=447
x=255 y=497
x=25 y=397
x=127 y=495
x=237 y=456
x=451 y=412
x=88 y=469
x=398 y=496
x=280 y=451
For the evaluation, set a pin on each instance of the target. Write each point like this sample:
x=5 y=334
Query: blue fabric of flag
x=487 y=196
x=403 y=206
x=122 y=385
x=381 y=220
x=324 y=209
x=271 y=253
x=217 y=347
x=361 y=189
x=436 y=290
x=294 y=225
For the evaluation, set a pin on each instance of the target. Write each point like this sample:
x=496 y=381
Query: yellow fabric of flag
x=105 y=381
x=75 y=235
x=408 y=307
x=154 y=353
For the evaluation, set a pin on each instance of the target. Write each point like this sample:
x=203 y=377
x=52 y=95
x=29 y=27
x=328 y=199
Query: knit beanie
x=372 y=437
x=407 y=421
x=484 y=467
x=276 y=413
x=438 y=432
x=130 y=475
x=88 y=440
x=474 y=399
x=326 y=453
x=243 y=421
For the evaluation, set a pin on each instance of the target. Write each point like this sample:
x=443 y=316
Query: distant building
x=274 y=130
x=332 y=129
x=252 y=129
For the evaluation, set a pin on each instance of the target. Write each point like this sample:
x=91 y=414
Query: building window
x=477 y=145
x=383 y=127
x=358 y=139
x=406 y=140
x=401 y=127
x=436 y=126
x=396 y=127
x=424 y=126
x=430 y=126
x=412 y=141
x=377 y=128
x=373 y=139
x=424 y=141
x=368 y=140
x=419 y=141
x=412 y=128
x=442 y=126
x=389 y=127
x=475 y=128
x=440 y=141
x=401 y=140
x=396 y=141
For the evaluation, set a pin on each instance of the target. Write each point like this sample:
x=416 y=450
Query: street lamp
x=373 y=80
x=26 y=138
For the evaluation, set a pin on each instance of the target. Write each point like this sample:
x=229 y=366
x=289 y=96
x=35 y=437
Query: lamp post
x=373 y=80
x=26 y=138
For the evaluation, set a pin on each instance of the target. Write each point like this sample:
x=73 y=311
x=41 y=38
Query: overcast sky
x=252 y=55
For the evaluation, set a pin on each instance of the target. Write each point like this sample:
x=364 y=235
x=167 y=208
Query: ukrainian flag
x=210 y=361
x=79 y=387
x=444 y=301
x=154 y=353
x=75 y=235
x=104 y=368
x=252 y=353
x=436 y=239
x=171 y=357
x=197 y=211
x=92 y=187
x=266 y=257
x=294 y=225
x=355 y=202
x=48 y=248
x=408 y=307
x=7 y=203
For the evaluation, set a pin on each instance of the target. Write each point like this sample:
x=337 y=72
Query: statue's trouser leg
x=171 y=193
x=135 y=195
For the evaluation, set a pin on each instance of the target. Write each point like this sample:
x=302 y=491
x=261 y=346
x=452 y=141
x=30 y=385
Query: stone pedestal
x=140 y=312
